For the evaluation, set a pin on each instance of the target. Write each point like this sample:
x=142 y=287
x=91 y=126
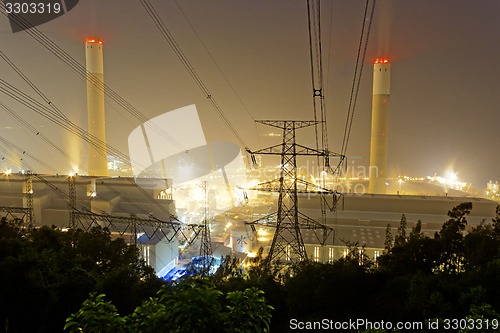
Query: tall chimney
x=97 y=157
x=380 y=108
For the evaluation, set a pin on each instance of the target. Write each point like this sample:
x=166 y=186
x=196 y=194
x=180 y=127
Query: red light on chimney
x=93 y=40
x=381 y=61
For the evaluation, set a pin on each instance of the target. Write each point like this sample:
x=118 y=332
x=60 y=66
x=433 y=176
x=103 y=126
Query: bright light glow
x=262 y=233
x=252 y=254
x=381 y=61
x=71 y=174
x=8 y=172
x=451 y=176
x=450 y=181
x=252 y=183
x=93 y=40
x=197 y=194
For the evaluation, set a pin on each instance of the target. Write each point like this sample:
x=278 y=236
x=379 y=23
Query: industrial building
x=361 y=219
x=101 y=196
x=143 y=210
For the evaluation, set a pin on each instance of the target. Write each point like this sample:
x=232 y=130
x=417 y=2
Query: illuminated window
x=345 y=253
x=376 y=254
x=316 y=254
x=331 y=255
x=146 y=254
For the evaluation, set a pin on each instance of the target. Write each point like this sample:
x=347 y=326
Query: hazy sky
x=445 y=93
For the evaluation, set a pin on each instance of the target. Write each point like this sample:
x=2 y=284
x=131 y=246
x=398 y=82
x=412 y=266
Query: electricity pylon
x=287 y=244
x=206 y=242
x=30 y=216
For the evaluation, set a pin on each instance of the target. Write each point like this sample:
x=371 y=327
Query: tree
x=450 y=238
x=400 y=238
x=248 y=312
x=480 y=316
x=230 y=268
x=388 y=239
x=416 y=231
x=48 y=273
x=194 y=305
x=95 y=316
x=150 y=317
x=357 y=253
x=496 y=222
x=457 y=221
x=480 y=246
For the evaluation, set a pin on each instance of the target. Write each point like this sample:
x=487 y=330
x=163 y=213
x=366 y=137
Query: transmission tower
x=206 y=242
x=30 y=216
x=72 y=201
x=151 y=227
x=287 y=244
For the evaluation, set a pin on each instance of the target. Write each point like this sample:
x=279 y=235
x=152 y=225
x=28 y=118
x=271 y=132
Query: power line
x=33 y=130
x=357 y=79
x=81 y=71
x=316 y=64
x=49 y=114
x=153 y=14
x=219 y=68
x=215 y=62
x=31 y=84
x=24 y=153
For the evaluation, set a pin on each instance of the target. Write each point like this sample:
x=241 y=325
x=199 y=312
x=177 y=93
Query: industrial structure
x=287 y=244
x=97 y=154
x=310 y=220
x=141 y=214
x=380 y=114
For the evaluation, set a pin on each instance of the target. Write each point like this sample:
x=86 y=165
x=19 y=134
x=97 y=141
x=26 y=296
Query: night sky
x=445 y=85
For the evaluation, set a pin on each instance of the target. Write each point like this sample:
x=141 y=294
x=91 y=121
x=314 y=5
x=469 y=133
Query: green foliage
x=150 y=317
x=248 y=312
x=193 y=305
x=481 y=315
x=400 y=238
x=416 y=231
x=230 y=268
x=389 y=240
x=95 y=316
x=357 y=254
x=49 y=273
x=313 y=287
x=453 y=228
x=450 y=239
x=496 y=223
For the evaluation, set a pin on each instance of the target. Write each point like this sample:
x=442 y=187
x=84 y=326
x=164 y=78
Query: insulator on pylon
x=254 y=160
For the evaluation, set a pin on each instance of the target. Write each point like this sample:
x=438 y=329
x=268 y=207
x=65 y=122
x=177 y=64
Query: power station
x=380 y=114
x=97 y=155
x=146 y=211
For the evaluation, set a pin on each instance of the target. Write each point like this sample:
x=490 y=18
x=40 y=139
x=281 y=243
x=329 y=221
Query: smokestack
x=97 y=157
x=380 y=108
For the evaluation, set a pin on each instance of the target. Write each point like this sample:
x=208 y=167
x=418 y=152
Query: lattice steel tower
x=287 y=243
x=206 y=241
x=30 y=216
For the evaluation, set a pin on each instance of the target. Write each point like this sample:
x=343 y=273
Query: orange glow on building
x=93 y=40
x=381 y=61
